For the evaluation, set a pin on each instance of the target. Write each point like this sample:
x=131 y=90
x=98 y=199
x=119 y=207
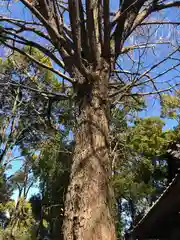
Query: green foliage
x=23 y=234
x=119 y=229
x=137 y=173
x=2 y=36
x=134 y=181
x=38 y=75
x=52 y=167
x=5 y=188
x=147 y=136
x=49 y=150
x=170 y=106
x=21 y=220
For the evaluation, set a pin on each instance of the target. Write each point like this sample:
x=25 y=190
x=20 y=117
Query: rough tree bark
x=89 y=204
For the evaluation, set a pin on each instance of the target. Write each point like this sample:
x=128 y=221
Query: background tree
x=38 y=119
x=19 y=226
x=52 y=168
x=27 y=118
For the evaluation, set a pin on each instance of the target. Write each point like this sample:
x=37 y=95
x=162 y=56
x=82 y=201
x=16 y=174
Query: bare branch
x=23 y=27
x=45 y=94
x=53 y=32
x=152 y=8
x=156 y=92
x=107 y=30
x=125 y=20
x=84 y=40
x=120 y=13
x=32 y=44
x=141 y=94
x=74 y=15
x=140 y=46
x=159 y=63
x=2 y=18
x=92 y=29
x=159 y=23
x=38 y=62
x=167 y=5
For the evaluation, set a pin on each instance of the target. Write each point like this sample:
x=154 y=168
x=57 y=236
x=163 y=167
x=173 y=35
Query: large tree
x=87 y=43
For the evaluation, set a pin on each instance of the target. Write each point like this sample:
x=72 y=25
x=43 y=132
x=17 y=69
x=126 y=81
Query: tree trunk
x=89 y=201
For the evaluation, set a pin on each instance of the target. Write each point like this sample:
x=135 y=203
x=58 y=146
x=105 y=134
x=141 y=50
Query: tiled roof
x=153 y=209
x=174 y=150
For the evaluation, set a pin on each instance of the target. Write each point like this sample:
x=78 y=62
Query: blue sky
x=19 y=11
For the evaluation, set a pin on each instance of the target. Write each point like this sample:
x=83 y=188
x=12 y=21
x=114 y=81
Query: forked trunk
x=89 y=204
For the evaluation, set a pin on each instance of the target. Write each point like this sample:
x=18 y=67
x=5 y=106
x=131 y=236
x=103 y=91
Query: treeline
x=37 y=142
